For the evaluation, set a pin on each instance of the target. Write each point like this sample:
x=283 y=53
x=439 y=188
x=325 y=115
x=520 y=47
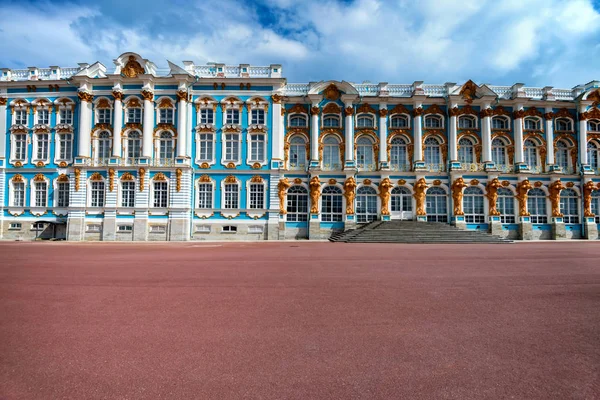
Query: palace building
x=220 y=152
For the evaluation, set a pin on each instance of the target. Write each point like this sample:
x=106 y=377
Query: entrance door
x=366 y=205
x=401 y=203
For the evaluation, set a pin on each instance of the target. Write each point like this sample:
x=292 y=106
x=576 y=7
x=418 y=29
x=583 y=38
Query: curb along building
x=194 y=152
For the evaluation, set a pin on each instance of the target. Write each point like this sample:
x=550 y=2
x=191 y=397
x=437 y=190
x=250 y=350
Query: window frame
x=127 y=201
x=160 y=196
x=432 y=117
x=474 y=205
x=297 y=204
x=332 y=204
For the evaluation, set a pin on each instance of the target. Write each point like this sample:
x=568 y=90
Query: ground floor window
x=331 y=210
x=536 y=206
x=366 y=204
x=401 y=199
x=297 y=204
x=473 y=205
x=436 y=205
x=506 y=206
x=569 y=207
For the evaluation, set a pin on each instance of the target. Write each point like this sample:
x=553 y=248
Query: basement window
x=229 y=229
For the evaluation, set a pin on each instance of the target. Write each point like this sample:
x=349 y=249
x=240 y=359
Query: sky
x=536 y=42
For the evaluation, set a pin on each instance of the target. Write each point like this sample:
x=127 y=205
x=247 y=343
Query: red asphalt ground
x=298 y=320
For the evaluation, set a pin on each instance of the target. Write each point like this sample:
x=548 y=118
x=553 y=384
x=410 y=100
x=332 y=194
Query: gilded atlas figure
x=554 y=190
x=315 y=193
x=384 y=193
x=457 y=195
x=282 y=187
x=588 y=188
x=350 y=194
x=419 y=189
x=492 y=195
x=523 y=188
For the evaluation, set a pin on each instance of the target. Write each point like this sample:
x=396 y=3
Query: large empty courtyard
x=299 y=320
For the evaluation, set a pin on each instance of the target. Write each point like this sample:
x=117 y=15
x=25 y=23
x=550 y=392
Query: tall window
x=103 y=146
x=536 y=206
x=128 y=194
x=531 y=153
x=97 y=194
x=104 y=115
x=257 y=147
x=161 y=194
x=66 y=116
x=473 y=205
x=563 y=125
x=258 y=117
x=399 y=155
x=43 y=116
x=165 y=147
x=298 y=121
x=205 y=146
x=465 y=151
x=593 y=125
x=21 y=117
x=232 y=116
x=134 y=115
x=399 y=122
x=232 y=147
x=62 y=194
x=364 y=154
x=499 y=123
x=297 y=153
x=18 y=199
x=532 y=124
x=593 y=151
x=43 y=144
x=331 y=154
x=134 y=146
x=432 y=151
x=499 y=152
x=331 y=121
x=205 y=195
x=596 y=205
x=165 y=115
x=568 y=206
x=232 y=198
x=257 y=196
x=331 y=210
x=433 y=121
x=207 y=116
x=506 y=206
x=297 y=204
x=366 y=204
x=41 y=194
x=20 y=146
x=65 y=144
x=562 y=155
x=467 y=122
x=401 y=199
x=365 y=121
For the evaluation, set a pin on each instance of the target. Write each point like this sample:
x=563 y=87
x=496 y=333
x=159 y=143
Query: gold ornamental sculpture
x=111 y=179
x=588 y=188
x=523 y=188
x=457 y=195
x=141 y=177
x=178 y=174
x=350 y=194
x=77 y=172
x=492 y=195
x=132 y=68
x=554 y=196
x=419 y=189
x=315 y=193
x=384 y=193
x=282 y=187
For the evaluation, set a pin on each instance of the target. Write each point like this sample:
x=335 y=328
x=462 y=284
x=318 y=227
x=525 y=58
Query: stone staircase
x=413 y=232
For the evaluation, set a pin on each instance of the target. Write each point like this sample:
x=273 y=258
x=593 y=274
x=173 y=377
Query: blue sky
x=536 y=42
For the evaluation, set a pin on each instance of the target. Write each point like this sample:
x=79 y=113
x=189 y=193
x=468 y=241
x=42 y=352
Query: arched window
x=536 y=206
x=297 y=204
x=62 y=194
x=65 y=146
x=569 y=206
x=104 y=144
x=205 y=147
x=365 y=121
x=499 y=123
x=165 y=146
x=399 y=155
x=531 y=153
x=401 y=200
x=562 y=155
x=506 y=206
x=593 y=151
x=134 y=146
x=596 y=205
x=499 y=152
x=593 y=125
x=364 y=154
x=298 y=120
x=466 y=154
x=257 y=147
x=532 y=124
x=20 y=147
x=473 y=205
x=297 y=153
x=366 y=204
x=331 y=154
x=231 y=193
x=433 y=121
x=432 y=151
x=331 y=209
x=399 y=121
x=128 y=194
x=436 y=205
x=467 y=122
x=563 y=125
x=331 y=121
x=160 y=194
x=205 y=195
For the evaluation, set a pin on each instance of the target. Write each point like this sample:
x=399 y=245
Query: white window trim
x=89 y=194
x=157 y=109
x=539 y=123
x=223 y=149
x=227 y=212
x=505 y=118
x=297 y=114
x=58 y=147
x=36 y=141
x=120 y=193
x=152 y=194
x=197 y=200
x=469 y=116
x=407 y=117
x=55 y=188
x=11 y=194
x=157 y=140
x=125 y=143
x=365 y=114
x=339 y=117
x=443 y=120
x=60 y=105
x=264 y=161
x=265 y=192
x=564 y=118
x=252 y=105
x=212 y=160
x=27 y=108
x=13 y=147
x=38 y=108
x=32 y=196
x=126 y=109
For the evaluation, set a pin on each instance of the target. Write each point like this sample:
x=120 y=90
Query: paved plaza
x=299 y=320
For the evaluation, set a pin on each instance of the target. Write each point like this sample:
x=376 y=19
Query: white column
x=3 y=101
x=583 y=159
x=486 y=134
x=314 y=134
x=452 y=136
x=85 y=124
x=148 y=127
x=418 y=133
x=278 y=128
x=518 y=124
x=182 y=124
x=549 y=137
x=117 y=124
x=349 y=134
x=383 y=133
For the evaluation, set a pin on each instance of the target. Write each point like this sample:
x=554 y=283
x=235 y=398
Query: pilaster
x=383 y=133
x=349 y=162
x=278 y=132
x=518 y=125
x=117 y=122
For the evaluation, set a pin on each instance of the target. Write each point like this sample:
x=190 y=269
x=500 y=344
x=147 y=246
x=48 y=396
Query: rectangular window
x=43 y=117
x=258 y=117
x=257 y=196
x=66 y=116
x=125 y=228
x=207 y=116
x=229 y=229
x=97 y=194
x=232 y=147
x=42 y=146
x=232 y=116
x=231 y=196
x=104 y=115
x=257 y=147
x=202 y=228
x=255 y=229
x=19 y=194
x=37 y=226
x=62 y=194
x=20 y=147
x=205 y=195
x=65 y=144
x=160 y=194
x=158 y=229
x=93 y=228
x=206 y=147
x=134 y=115
x=41 y=192
x=166 y=115
x=21 y=117
x=15 y=226
x=128 y=194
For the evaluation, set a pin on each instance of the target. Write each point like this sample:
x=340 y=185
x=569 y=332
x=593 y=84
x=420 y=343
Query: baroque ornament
x=419 y=195
x=84 y=96
x=457 y=195
x=492 y=195
x=350 y=194
x=111 y=179
x=178 y=173
x=384 y=193
x=468 y=91
x=77 y=173
x=282 y=187
x=587 y=198
x=315 y=193
x=147 y=95
x=142 y=178
x=331 y=92
x=554 y=196
x=132 y=68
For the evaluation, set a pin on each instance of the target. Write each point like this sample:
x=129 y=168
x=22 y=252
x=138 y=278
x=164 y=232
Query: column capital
x=85 y=96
